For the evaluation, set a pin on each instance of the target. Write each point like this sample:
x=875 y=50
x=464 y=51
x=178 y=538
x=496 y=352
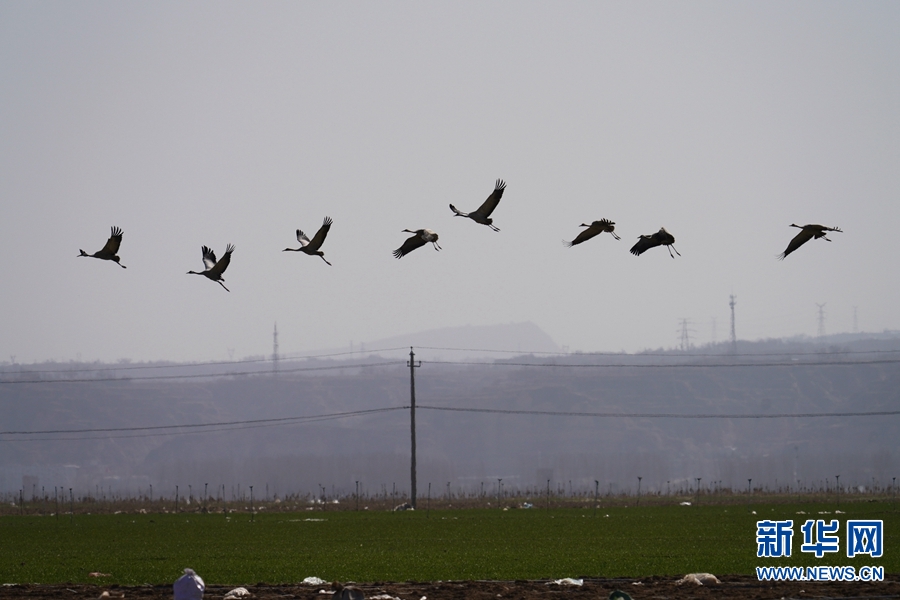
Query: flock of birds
x=312 y=247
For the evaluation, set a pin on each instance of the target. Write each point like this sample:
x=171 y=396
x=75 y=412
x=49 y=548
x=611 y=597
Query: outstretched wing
x=585 y=235
x=301 y=237
x=644 y=243
x=409 y=245
x=223 y=263
x=112 y=244
x=209 y=257
x=801 y=238
x=317 y=240
x=493 y=200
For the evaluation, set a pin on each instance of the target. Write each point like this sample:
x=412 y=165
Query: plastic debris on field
x=699 y=579
x=313 y=581
x=238 y=592
x=566 y=581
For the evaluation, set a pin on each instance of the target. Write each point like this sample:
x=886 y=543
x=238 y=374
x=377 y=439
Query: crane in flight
x=419 y=238
x=660 y=238
x=483 y=214
x=215 y=268
x=108 y=252
x=595 y=228
x=807 y=232
x=311 y=247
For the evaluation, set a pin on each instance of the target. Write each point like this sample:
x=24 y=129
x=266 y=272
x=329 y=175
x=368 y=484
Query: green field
x=440 y=545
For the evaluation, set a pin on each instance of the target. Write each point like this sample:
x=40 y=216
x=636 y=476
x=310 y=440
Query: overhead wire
x=667 y=354
x=670 y=365
x=193 y=427
x=618 y=365
x=297 y=357
x=202 y=375
x=131 y=367
x=619 y=415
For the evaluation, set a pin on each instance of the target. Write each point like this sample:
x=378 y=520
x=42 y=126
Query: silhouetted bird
x=482 y=215
x=660 y=238
x=108 y=252
x=311 y=247
x=807 y=232
x=595 y=228
x=419 y=238
x=215 y=268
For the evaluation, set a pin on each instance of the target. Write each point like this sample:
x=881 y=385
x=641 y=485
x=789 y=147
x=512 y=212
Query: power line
x=163 y=430
x=198 y=427
x=283 y=357
x=617 y=415
x=201 y=364
x=195 y=425
x=821 y=363
x=642 y=354
x=201 y=375
x=843 y=363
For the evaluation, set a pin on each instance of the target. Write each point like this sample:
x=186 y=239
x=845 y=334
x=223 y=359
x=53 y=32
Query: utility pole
x=275 y=349
x=731 y=303
x=821 y=332
x=412 y=364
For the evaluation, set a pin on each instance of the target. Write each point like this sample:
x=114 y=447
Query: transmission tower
x=731 y=303
x=275 y=349
x=685 y=334
x=821 y=332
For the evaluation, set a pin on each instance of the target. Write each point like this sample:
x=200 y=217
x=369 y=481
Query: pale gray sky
x=214 y=122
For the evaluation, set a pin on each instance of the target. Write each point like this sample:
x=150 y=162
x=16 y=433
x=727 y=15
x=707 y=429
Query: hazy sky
x=216 y=122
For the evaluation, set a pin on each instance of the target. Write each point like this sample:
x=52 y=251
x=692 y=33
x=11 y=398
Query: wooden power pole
x=412 y=425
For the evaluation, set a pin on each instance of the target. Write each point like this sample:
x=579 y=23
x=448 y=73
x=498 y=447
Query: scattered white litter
x=839 y=512
x=699 y=579
x=383 y=597
x=313 y=581
x=528 y=505
x=239 y=592
x=567 y=581
x=685 y=503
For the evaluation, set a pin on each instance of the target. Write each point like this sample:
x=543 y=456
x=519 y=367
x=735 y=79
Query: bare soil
x=739 y=587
